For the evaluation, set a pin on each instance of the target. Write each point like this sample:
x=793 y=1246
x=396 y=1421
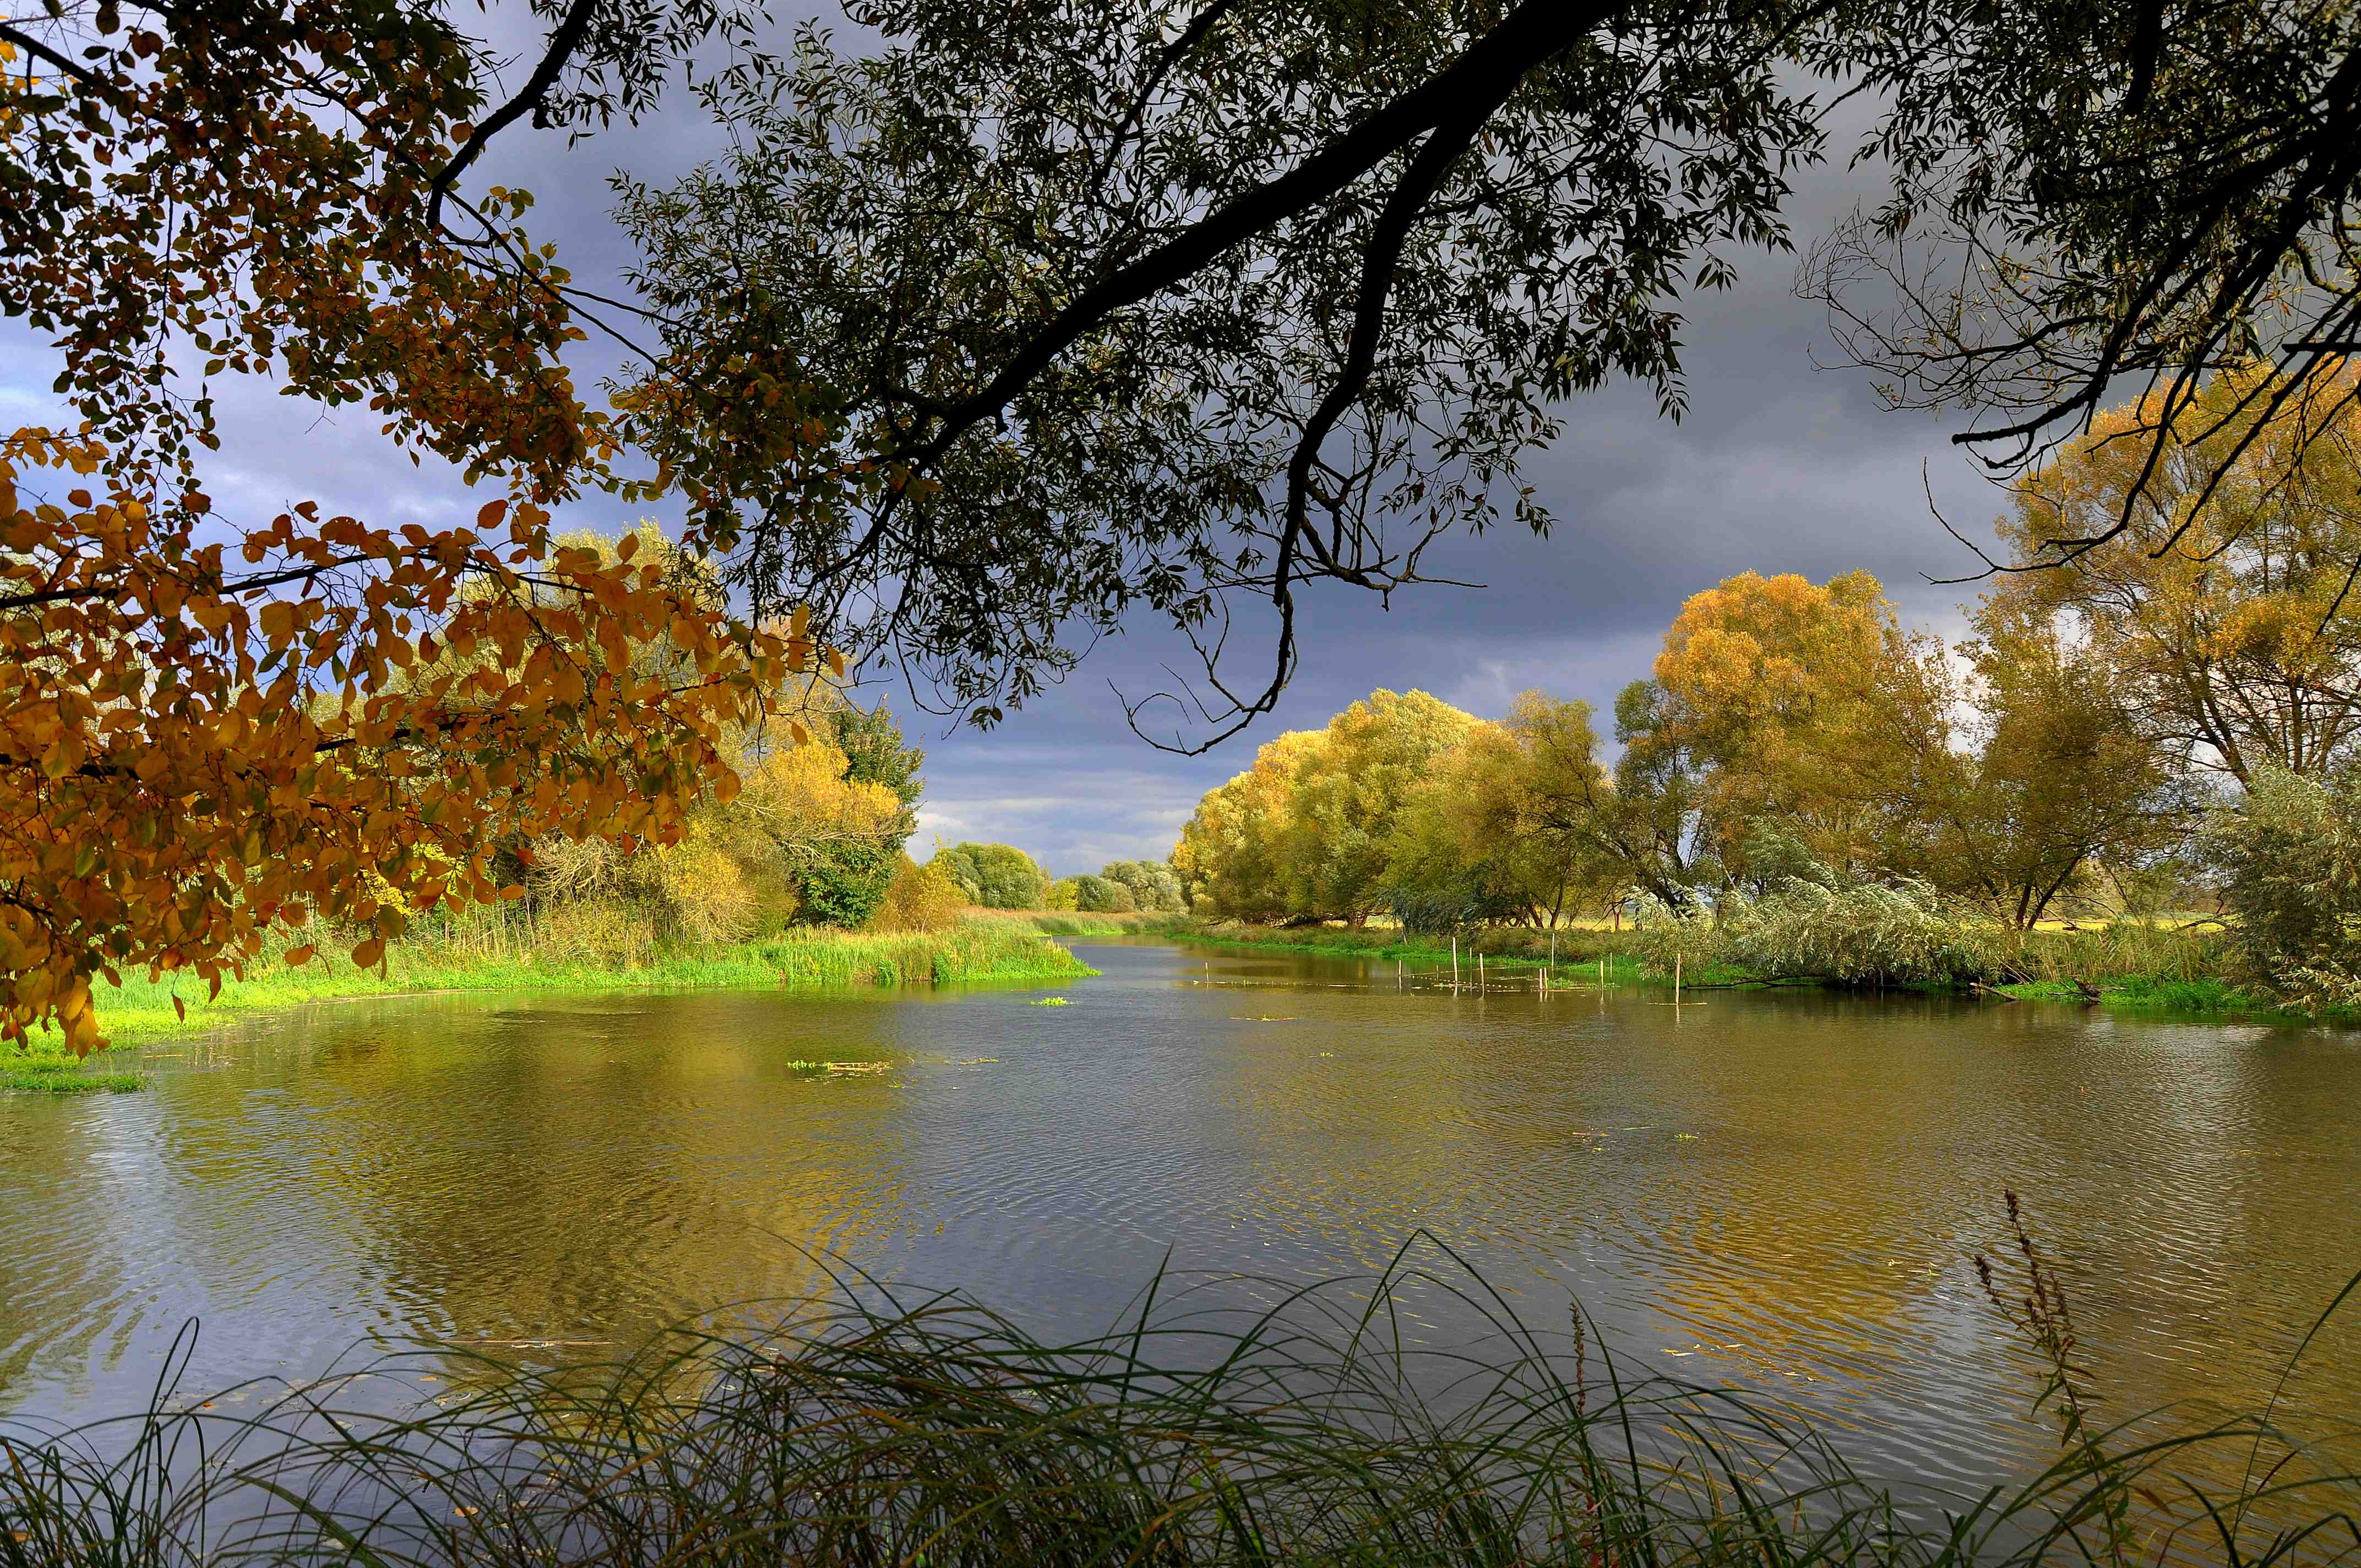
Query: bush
x=1154 y=885
x=1102 y=895
x=920 y=898
x=2291 y=859
x=997 y=876
x=1810 y=924
x=1062 y=894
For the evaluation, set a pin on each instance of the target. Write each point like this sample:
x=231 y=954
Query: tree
x=2064 y=781
x=1657 y=826
x=210 y=727
x=1308 y=833
x=1232 y=854
x=2229 y=627
x=1154 y=885
x=2291 y=859
x=1102 y=895
x=996 y=876
x=1323 y=274
x=1515 y=822
x=1808 y=704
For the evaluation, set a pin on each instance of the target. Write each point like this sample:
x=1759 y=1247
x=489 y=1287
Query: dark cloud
x=1778 y=467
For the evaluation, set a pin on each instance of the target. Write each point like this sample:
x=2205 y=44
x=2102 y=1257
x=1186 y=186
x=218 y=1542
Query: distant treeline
x=999 y=876
x=2167 y=715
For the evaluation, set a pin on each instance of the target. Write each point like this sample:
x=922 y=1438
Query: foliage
x=1308 y=833
x=1154 y=885
x=213 y=727
x=2289 y=854
x=995 y=876
x=2224 y=627
x=2065 y=781
x=1516 y=821
x=1805 y=702
x=344 y=733
x=1810 y=922
x=1014 y=248
x=1102 y=895
x=920 y=898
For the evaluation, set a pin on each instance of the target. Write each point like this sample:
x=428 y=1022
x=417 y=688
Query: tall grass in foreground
x=937 y=1433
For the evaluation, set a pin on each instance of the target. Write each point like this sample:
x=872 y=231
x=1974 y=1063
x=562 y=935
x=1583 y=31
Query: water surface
x=1779 y=1190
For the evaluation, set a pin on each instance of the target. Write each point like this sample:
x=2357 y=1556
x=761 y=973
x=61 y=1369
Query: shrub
x=1102 y=895
x=1811 y=924
x=1062 y=894
x=920 y=898
x=997 y=876
x=2291 y=859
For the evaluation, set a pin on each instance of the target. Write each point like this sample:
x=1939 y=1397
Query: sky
x=1780 y=466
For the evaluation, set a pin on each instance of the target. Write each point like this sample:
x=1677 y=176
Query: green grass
x=40 y=1072
x=802 y=960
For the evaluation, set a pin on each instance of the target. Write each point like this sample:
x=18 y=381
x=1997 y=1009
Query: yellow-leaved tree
x=2215 y=583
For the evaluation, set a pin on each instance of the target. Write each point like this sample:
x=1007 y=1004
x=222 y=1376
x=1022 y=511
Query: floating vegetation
x=1049 y=1002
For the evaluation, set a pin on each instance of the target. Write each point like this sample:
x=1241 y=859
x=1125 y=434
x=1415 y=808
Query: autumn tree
x=1232 y=853
x=214 y=726
x=2065 y=782
x=2224 y=611
x=1807 y=703
x=1309 y=832
x=1516 y=821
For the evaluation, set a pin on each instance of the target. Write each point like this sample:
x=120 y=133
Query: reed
x=804 y=959
x=934 y=1431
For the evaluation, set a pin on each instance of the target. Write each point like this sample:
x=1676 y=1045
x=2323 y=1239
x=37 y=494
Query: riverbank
x=142 y=1011
x=2125 y=967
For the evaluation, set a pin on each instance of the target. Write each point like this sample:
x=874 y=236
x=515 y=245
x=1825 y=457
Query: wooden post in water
x=1454 y=963
x=1479 y=972
x=1602 y=977
x=1397 y=974
x=1676 y=980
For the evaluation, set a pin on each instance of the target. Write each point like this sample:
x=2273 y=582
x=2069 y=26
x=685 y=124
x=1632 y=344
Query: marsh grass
x=1318 y=1429
x=40 y=1072
x=803 y=960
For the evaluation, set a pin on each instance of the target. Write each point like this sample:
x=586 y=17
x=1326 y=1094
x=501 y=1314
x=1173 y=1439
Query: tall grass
x=937 y=1432
x=804 y=959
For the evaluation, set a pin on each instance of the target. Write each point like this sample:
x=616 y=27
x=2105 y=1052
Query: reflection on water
x=1775 y=1189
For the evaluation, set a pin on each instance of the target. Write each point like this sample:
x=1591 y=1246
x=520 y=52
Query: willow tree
x=1007 y=325
x=2215 y=582
x=1807 y=703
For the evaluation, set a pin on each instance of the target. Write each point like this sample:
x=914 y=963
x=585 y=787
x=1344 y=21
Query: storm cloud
x=1779 y=465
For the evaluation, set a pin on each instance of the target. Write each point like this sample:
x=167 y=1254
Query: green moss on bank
x=802 y=960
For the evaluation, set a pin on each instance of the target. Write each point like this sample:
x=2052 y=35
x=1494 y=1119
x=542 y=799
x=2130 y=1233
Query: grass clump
x=52 y=1071
x=1198 y=1431
x=804 y=959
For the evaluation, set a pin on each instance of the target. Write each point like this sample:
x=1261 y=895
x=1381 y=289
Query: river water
x=1779 y=1190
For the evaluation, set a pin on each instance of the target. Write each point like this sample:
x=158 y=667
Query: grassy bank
x=2133 y=967
x=1200 y=1432
x=801 y=960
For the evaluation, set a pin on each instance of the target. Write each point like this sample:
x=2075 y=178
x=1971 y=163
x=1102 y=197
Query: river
x=1777 y=1190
